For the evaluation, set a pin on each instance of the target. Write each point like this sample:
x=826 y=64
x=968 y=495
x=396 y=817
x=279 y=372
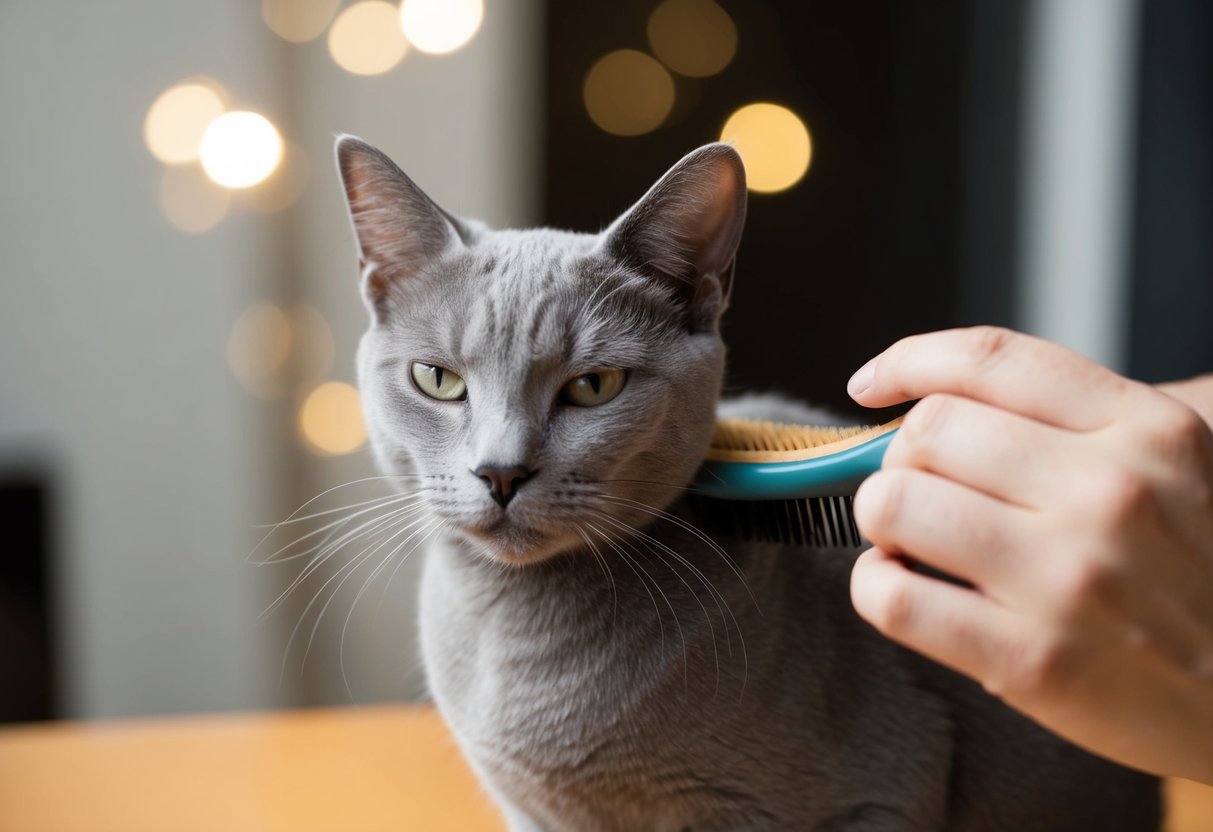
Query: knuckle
x=1176 y=431
x=1040 y=668
x=988 y=344
x=1119 y=498
x=1108 y=501
x=894 y=609
x=1086 y=579
x=928 y=419
x=879 y=503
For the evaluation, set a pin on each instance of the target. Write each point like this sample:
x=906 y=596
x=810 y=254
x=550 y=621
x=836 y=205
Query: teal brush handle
x=833 y=475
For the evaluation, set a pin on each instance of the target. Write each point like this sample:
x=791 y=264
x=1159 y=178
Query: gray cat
x=604 y=664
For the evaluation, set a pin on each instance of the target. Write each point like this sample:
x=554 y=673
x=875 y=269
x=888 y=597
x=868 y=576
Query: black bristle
x=812 y=522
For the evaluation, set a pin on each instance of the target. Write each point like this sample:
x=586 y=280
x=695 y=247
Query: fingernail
x=862 y=379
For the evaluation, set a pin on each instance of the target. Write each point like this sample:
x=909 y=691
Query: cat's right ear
x=399 y=229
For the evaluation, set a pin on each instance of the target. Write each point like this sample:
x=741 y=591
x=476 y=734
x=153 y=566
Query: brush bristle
x=747 y=435
x=814 y=522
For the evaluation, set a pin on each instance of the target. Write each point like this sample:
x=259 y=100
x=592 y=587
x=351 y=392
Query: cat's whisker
x=717 y=594
x=608 y=542
x=602 y=561
x=640 y=574
x=713 y=593
x=290 y=517
x=329 y=547
x=333 y=524
x=348 y=569
x=636 y=553
x=387 y=585
x=427 y=532
x=683 y=524
x=292 y=520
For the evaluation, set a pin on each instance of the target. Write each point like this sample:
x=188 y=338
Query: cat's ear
x=686 y=229
x=399 y=228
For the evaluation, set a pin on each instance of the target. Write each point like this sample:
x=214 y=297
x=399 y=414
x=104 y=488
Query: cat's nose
x=503 y=481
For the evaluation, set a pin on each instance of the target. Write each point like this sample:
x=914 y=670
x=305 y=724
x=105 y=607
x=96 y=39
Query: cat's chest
x=535 y=682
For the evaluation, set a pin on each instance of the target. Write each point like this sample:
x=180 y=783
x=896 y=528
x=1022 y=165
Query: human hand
x=1079 y=505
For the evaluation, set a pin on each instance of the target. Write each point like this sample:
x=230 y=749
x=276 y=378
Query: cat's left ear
x=686 y=229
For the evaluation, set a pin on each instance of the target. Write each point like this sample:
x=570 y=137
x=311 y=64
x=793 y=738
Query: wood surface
x=365 y=769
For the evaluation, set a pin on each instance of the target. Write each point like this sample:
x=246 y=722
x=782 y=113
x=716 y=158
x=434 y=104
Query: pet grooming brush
x=790 y=484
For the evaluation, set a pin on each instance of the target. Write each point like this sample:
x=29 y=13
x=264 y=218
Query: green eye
x=595 y=388
x=439 y=382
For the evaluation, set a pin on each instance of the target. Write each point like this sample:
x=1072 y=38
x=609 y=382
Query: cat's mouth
x=508 y=540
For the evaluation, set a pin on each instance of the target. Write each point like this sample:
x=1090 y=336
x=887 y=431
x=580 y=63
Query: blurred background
x=178 y=287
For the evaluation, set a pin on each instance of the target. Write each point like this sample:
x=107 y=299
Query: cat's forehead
x=537 y=294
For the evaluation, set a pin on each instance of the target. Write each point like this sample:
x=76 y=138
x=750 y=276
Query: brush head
x=746 y=440
x=812 y=522
x=790 y=484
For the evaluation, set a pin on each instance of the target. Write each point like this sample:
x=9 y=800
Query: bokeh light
x=284 y=186
x=440 y=26
x=696 y=38
x=190 y=201
x=258 y=348
x=330 y=419
x=313 y=346
x=298 y=21
x=240 y=149
x=177 y=119
x=366 y=38
x=773 y=143
x=628 y=93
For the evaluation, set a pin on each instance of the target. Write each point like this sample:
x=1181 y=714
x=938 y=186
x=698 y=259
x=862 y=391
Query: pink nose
x=503 y=481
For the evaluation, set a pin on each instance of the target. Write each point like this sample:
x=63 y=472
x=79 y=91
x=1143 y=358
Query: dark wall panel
x=864 y=249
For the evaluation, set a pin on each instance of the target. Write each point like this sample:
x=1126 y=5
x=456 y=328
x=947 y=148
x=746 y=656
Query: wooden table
x=352 y=770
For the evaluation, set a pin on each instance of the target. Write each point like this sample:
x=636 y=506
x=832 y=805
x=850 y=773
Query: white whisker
x=678 y=521
x=427 y=531
x=598 y=556
x=325 y=492
x=328 y=548
x=349 y=568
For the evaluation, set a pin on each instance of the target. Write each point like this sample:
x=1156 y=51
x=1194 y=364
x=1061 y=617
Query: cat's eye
x=439 y=382
x=594 y=388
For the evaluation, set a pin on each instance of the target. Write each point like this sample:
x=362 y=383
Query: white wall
x=113 y=325
x=1079 y=98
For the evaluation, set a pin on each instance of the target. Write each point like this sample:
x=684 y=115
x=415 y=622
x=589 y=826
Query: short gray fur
x=601 y=664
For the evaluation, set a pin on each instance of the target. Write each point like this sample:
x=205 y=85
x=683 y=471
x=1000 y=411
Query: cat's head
x=540 y=389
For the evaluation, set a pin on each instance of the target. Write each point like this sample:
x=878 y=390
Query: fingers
x=1015 y=372
x=954 y=626
x=1002 y=454
x=950 y=527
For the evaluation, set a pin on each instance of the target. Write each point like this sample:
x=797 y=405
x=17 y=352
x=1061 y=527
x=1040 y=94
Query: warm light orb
x=190 y=201
x=330 y=419
x=177 y=119
x=695 y=38
x=628 y=93
x=313 y=343
x=773 y=143
x=284 y=186
x=240 y=149
x=366 y=38
x=258 y=348
x=298 y=21
x=440 y=26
